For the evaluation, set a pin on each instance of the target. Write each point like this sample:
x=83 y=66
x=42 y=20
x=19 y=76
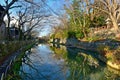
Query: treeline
x=82 y=15
x=24 y=16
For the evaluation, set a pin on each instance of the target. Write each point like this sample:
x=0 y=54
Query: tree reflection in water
x=41 y=65
x=26 y=60
x=83 y=66
x=46 y=62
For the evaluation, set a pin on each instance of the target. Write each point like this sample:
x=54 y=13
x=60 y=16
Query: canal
x=49 y=62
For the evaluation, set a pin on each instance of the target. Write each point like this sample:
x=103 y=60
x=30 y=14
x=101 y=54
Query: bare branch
x=15 y=7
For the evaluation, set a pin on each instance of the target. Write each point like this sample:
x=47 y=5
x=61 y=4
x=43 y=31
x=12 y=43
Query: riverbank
x=9 y=47
x=107 y=49
x=9 y=59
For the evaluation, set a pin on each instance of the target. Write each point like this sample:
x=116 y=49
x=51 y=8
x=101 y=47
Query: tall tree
x=79 y=17
x=10 y=4
x=112 y=9
x=30 y=17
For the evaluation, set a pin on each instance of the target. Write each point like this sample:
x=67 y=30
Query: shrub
x=93 y=38
x=79 y=34
x=103 y=49
x=10 y=47
x=117 y=55
x=71 y=34
x=113 y=55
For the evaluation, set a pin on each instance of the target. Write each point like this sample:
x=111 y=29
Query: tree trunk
x=8 y=29
x=85 y=35
x=20 y=32
x=115 y=25
x=20 y=35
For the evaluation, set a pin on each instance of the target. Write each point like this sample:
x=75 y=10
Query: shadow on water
x=84 y=65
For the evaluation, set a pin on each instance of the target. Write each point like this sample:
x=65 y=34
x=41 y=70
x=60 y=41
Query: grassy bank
x=13 y=74
x=7 y=48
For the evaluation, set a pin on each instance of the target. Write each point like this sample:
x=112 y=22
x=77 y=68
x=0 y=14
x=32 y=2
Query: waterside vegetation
x=90 y=26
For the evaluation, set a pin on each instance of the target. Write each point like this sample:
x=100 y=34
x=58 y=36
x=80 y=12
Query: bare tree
x=112 y=9
x=24 y=17
x=30 y=16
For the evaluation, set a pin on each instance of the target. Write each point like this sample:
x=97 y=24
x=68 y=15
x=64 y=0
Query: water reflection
x=43 y=66
x=48 y=62
x=83 y=65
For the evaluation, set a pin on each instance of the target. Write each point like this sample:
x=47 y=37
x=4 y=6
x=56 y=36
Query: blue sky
x=57 y=6
x=1 y=2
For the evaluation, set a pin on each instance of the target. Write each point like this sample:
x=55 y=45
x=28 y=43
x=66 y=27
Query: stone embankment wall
x=94 y=46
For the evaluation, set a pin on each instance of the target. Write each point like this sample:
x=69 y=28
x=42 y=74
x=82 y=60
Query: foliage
x=98 y=21
x=117 y=54
x=103 y=49
x=71 y=34
x=79 y=20
x=52 y=36
x=92 y=38
x=10 y=47
x=79 y=34
x=110 y=54
x=114 y=55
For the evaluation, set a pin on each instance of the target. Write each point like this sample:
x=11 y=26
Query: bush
x=71 y=34
x=79 y=34
x=98 y=21
x=52 y=36
x=10 y=47
x=113 y=55
x=103 y=49
x=75 y=34
x=93 y=38
x=117 y=55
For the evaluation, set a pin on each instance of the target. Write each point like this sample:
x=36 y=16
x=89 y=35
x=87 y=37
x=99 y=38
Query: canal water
x=51 y=62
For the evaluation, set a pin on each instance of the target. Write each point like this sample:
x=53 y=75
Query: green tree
x=79 y=20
